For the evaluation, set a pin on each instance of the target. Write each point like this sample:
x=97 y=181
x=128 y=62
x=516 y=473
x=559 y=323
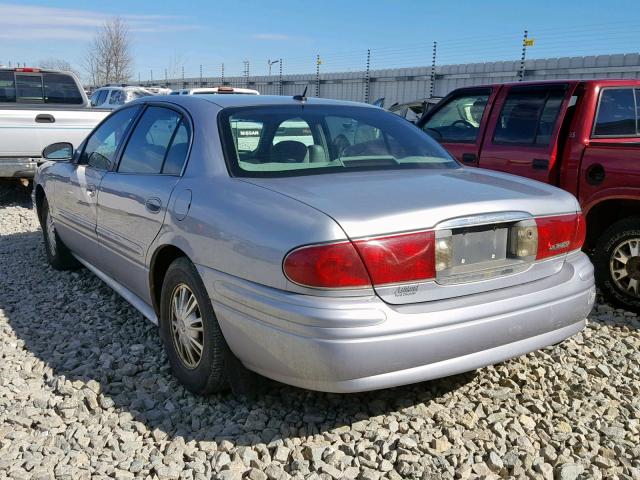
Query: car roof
x=229 y=101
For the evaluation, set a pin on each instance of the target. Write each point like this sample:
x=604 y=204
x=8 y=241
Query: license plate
x=471 y=245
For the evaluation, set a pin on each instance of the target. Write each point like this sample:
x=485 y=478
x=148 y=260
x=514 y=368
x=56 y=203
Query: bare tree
x=109 y=58
x=56 y=64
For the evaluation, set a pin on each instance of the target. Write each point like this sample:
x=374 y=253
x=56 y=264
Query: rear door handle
x=153 y=205
x=45 y=118
x=469 y=158
x=540 y=164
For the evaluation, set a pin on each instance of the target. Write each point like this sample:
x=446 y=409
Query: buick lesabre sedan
x=324 y=244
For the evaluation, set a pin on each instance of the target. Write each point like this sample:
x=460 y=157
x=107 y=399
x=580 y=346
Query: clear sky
x=167 y=35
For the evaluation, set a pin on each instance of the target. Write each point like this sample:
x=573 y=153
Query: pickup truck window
x=7 y=87
x=617 y=113
x=29 y=89
x=459 y=119
x=529 y=117
x=61 y=89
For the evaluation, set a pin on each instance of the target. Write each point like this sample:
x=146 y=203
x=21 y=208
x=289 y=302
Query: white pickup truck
x=39 y=107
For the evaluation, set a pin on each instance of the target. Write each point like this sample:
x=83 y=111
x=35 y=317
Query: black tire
x=209 y=375
x=58 y=255
x=613 y=238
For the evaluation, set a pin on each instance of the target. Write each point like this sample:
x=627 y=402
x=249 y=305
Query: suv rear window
x=617 y=113
x=304 y=139
x=57 y=88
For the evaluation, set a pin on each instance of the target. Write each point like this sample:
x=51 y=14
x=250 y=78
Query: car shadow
x=104 y=354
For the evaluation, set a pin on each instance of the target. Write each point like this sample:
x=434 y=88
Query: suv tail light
x=363 y=263
x=560 y=234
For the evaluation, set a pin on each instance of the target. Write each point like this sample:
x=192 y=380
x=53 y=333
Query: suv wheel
x=190 y=331
x=617 y=264
x=58 y=255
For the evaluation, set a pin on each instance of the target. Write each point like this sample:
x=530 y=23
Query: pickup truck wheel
x=617 y=264
x=190 y=331
x=58 y=255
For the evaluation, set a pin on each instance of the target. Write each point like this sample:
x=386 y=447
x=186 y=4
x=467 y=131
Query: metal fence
x=408 y=84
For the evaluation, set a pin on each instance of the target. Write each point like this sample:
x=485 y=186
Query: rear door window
x=529 y=117
x=116 y=98
x=147 y=148
x=62 y=89
x=617 y=114
x=459 y=119
x=29 y=88
x=7 y=87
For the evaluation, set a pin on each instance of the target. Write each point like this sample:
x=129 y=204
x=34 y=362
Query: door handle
x=91 y=190
x=45 y=118
x=595 y=174
x=153 y=205
x=469 y=158
x=540 y=164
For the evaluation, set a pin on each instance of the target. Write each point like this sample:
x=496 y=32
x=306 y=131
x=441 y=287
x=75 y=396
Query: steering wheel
x=464 y=123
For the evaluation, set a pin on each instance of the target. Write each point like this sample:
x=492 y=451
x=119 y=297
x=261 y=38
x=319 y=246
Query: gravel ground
x=85 y=391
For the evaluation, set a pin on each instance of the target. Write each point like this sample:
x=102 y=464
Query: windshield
x=275 y=141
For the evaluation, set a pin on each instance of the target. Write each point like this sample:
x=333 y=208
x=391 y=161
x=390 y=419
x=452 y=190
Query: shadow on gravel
x=13 y=193
x=105 y=354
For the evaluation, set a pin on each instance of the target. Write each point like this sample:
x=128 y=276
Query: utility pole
x=280 y=87
x=271 y=62
x=367 y=77
x=318 y=62
x=222 y=74
x=183 y=82
x=246 y=73
x=432 y=82
x=201 y=76
x=166 y=79
x=151 y=77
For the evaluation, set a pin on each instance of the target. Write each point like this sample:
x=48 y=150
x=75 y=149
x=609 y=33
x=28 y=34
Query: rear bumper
x=17 y=167
x=349 y=345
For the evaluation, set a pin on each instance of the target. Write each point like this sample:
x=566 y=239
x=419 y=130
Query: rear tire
x=58 y=255
x=190 y=331
x=617 y=264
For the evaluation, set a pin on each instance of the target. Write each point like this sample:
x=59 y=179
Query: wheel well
x=40 y=196
x=605 y=214
x=159 y=266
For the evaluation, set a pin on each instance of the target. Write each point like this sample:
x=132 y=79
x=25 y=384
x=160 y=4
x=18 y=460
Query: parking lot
x=85 y=391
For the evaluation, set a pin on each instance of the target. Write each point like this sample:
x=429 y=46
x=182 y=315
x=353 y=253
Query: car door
x=459 y=121
x=523 y=130
x=76 y=187
x=133 y=199
x=610 y=161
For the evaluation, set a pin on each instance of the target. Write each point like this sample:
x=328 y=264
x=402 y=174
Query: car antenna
x=303 y=97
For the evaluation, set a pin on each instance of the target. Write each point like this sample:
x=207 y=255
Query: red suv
x=580 y=135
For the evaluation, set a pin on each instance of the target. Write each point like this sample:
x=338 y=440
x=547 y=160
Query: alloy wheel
x=625 y=266
x=51 y=235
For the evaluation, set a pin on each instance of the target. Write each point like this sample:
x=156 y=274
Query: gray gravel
x=85 y=392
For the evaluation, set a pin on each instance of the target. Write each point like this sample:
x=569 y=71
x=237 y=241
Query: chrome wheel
x=625 y=267
x=187 y=329
x=51 y=235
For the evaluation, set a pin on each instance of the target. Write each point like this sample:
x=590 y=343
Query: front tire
x=617 y=264
x=190 y=331
x=58 y=255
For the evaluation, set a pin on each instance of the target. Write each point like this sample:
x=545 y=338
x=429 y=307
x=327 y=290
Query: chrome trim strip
x=483 y=219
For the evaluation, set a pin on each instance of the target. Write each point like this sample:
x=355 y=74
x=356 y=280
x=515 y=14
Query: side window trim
x=166 y=153
x=634 y=90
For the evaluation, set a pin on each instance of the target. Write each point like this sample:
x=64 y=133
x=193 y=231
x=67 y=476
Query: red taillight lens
x=392 y=259
x=336 y=265
x=399 y=258
x=559 y=234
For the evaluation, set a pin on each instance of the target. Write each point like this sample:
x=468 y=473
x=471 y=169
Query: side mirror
x=61 y=151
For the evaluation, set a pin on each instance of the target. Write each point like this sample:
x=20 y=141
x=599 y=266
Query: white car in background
x=159 y=90
x=216 y=90
x=114 y=96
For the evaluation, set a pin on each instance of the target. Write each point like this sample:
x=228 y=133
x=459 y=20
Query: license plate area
x=478 y=253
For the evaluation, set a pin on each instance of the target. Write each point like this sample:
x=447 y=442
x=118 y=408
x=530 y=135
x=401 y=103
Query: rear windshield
x=278 y=141
x=39 y=88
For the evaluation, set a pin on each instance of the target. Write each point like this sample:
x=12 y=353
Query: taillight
x=559 y=234
x=378 y=261
x=335 y=265
x=399 y=258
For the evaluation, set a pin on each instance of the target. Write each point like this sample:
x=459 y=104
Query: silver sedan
x=324 y=244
